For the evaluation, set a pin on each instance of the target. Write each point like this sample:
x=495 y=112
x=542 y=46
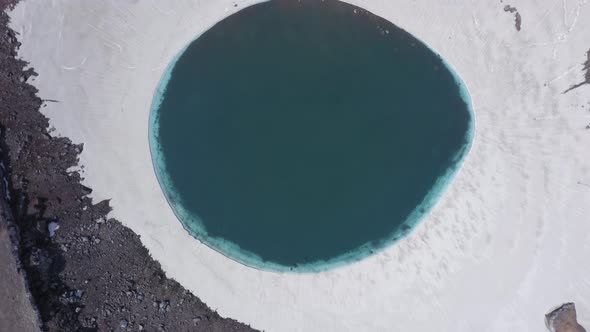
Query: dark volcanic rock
x=586 y=71
x=563 y=319
x=93 y=274
x=517 y=17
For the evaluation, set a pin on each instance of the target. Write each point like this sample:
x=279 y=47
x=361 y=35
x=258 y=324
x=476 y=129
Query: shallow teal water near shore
x=301 y=136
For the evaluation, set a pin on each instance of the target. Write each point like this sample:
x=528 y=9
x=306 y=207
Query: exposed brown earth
x=563 y=319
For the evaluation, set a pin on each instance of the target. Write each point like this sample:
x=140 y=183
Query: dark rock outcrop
x=563 y=319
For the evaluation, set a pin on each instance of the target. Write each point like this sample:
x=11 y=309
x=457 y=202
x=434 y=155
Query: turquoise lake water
x=302 y=136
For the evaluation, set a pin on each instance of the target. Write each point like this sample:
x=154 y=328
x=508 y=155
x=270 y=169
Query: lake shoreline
x=387 y=34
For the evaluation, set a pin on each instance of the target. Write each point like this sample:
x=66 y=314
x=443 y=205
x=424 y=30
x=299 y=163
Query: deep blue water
x=306 y=135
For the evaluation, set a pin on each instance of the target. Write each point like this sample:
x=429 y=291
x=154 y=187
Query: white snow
x=52 y=227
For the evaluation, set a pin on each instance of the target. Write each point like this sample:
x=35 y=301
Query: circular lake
x=300 y=136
